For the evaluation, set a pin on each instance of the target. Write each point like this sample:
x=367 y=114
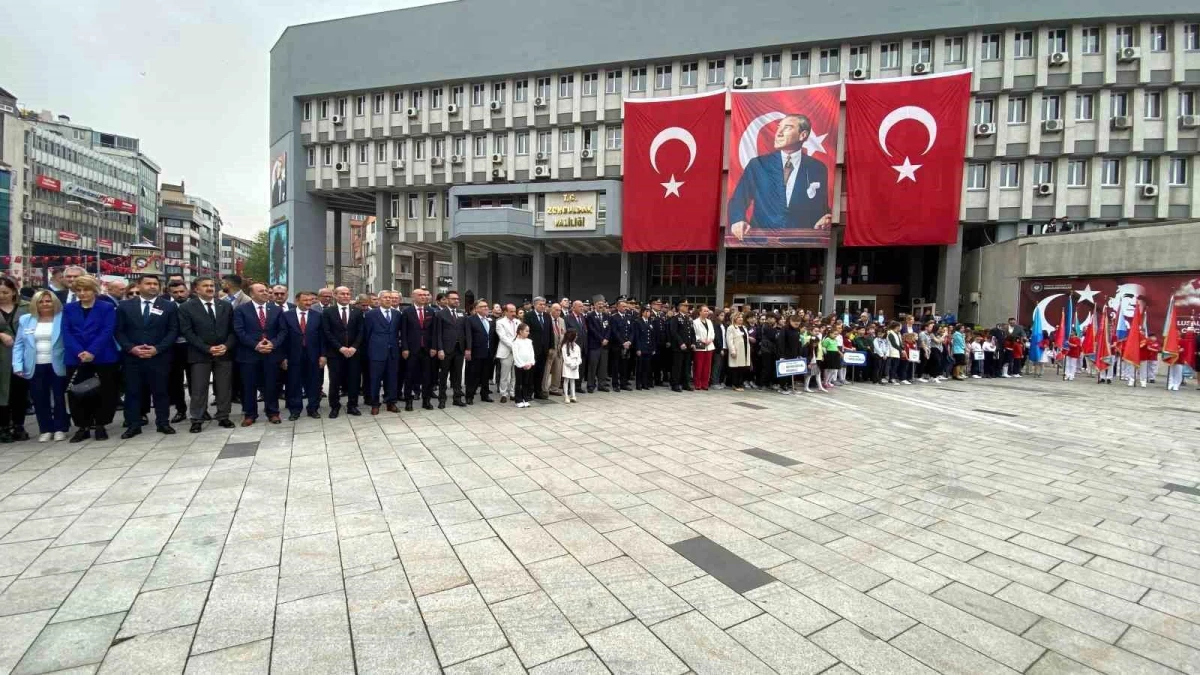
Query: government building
x=489 y=133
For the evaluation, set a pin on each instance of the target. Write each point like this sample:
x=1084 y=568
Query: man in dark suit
x=260 y=349
x=381 y=328
x=787 y=190
x=575 y=320
x=448 y=338
x=418 y=350
x=541 y=335
x=207 y=325
x=597 y=346
x=342 y=324
x=305 y=356
x=620 y=343
x=69 y=275
x=479 y=339
x=178 y=291
x=146 y=330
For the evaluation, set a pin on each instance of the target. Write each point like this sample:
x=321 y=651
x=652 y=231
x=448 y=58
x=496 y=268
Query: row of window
x=436 y=147
x=828 y=63
x=1085 y=107
x=1078 y=172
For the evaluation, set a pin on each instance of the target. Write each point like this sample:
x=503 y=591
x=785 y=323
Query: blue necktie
x=145 y=312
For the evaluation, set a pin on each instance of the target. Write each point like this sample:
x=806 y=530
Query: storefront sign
x=105 y=244
x=72 y=237
x=77 y=190
x=567 y=211
x=48 y=183
x=119 y=205
x=81 y=192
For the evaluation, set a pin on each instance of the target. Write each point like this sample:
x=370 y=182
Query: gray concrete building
x=461 y=152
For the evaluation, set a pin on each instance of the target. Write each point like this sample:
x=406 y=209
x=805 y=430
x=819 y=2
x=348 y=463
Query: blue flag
x=1070 y=319
x=1035 y=338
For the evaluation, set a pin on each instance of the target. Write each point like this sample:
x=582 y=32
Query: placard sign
x=791 y=367
x=570 y=211
x=854 y=358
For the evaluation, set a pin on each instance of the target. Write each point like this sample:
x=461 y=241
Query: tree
x=256 y=266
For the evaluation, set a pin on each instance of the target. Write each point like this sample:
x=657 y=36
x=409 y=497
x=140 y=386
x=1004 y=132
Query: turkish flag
x=1131 y=351
x=905 y=144
x=783 y=157
x=672 y=188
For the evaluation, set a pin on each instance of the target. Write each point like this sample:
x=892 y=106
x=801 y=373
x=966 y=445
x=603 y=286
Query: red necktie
x=262 y=318
x=421 y=317
x=303 y=329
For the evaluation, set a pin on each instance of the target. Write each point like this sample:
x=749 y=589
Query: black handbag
x=85 y=388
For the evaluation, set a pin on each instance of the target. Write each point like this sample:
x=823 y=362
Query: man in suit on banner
x=785 y=189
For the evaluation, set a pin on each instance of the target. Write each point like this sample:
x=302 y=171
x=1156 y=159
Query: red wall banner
x=782 y=161
x=1119 y=296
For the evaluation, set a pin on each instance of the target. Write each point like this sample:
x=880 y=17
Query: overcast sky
x=188 y=79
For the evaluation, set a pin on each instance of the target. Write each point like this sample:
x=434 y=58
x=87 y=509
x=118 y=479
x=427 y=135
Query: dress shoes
x=131 y=432
x=196 y=427
x=166 y=429
x=226 y=424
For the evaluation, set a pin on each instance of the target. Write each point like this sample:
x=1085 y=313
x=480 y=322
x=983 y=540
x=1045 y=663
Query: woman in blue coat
x=38 y=358
x=91 y=349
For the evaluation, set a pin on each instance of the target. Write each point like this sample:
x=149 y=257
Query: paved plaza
x=967 y=527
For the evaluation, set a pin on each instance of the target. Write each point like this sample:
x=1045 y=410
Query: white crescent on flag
x=673 y=134
x=907 y=112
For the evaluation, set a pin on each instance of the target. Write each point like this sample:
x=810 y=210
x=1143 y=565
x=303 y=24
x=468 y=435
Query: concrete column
x=1006 y=231
x=383 y=278
x=458 y=265
x=624 y=286
x=916 y=274
x=337 y=247
x=431 y=272
x=560 y=279
x=830 y=286
x=538 y=268
x=949 y=276
x=721 y=258
x=493 y=277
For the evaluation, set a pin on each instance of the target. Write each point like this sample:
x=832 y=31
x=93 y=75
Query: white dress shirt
x=796 y=157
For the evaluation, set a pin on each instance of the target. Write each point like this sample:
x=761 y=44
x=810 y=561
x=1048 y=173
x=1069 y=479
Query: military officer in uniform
x=620 y=340
x=597 y=346
x=682 y=338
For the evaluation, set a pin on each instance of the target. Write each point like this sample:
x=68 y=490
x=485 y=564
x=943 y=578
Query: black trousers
x=538 y=370
x=98 y=409
x=452 y=365
x=645 y=371
x=175 y=389
x=523 y=388
x=418 y=375
x=479 y=372
x=344 y=378
x=597 y=370
x=146 y=379
x=766 y=369
x=617 y=372
x=681 y=365
x=12 y=416
x=738 y=376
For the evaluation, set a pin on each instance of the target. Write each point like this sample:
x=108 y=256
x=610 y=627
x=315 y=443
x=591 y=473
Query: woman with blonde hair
x=737 y=343
x=38 y=358
x=91 y=358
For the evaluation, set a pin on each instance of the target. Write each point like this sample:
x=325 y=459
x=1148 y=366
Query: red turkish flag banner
x=782 y=160
x=905 y=145
x=672 y=189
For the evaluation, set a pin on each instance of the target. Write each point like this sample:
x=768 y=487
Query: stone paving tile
x=629 y=648
x=154 y=611
x=30 y=595
x=389 y=636
x=460 y=624
x=312 y=635
x=535 y=628
x=780 y=647
x=19 y=631
x=69 y=644
x=643 y=594
x=248 y=659
x=149 y=653
x=105 y=589
x=706 y=648
x=587 y=604
x=240 y=609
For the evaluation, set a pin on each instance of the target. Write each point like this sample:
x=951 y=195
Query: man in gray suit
x=207 y=325
x=234 y=295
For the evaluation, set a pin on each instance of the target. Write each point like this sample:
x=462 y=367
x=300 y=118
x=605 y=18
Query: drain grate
x=1175 y=487
x=232 y=450
x=724 y=565
x=774 y=458
x=995 y=412
x=752 y=406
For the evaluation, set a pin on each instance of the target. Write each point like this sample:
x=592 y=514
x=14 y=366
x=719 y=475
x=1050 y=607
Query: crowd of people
x=81 y=351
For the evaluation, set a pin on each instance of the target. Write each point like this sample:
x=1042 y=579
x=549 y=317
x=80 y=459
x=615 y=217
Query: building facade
x=191 y=229
x=1088 y=120
x=234 y=252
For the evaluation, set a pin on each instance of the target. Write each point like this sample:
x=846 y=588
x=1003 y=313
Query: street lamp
x=76 y=204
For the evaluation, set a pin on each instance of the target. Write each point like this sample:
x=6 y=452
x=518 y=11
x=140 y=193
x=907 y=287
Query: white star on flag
x=1087 y=294
x=672 y=187
x=815 y=143
x=907 y=170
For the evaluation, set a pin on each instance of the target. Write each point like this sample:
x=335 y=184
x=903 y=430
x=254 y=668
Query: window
x=860 y=57
x=439 y=148
x=612 y=82
x=566 y=140
x=687 y=74
x=456 y=95
x=1077 y=173
x=612 y=138
x=662 y=77
x=310 y=157
x=566 y=86
x=1090 y=36
x=307 y=110
x=520 y=91
x=1124 y=36
x=500 y=143
x=477 y=94
x=801 y=64
x=1051 y=108
x=589 y=138
x=956 y=50
x=829 y=62
x=344 y=154
x=1191 y=37
x=1153 y=105
x=985 y=111
x=431 y=205
x=889 y=55
x=977 y=175
x=381 y=152
x=1110 y=173
x=522 y=142
x=1120 y=104
x=324 y=110
x=1179 y=171
x=397 y=101
x=435 y=98
x=989 y=47
x=419 y=149
x=460 y=145
x=341 y=107
x=589 y=84
x=479 y=144
x=1023 y=44
x=1145 y=171
x=1010 y=175
x=770 y=66
x=399 y=150
x=1158 y=38
x=379 y=103
x=542 y=88
x=1084 y=107
x=1056 y=40
x=637 y=79
x=499 y=91
x=545 y=142
x=1018 y=110
x=743 y=66
x=1043 y=172
x=716 y=71
x=1187 y=103
x=415 y=98
x=922 y=51
x=412 y=207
